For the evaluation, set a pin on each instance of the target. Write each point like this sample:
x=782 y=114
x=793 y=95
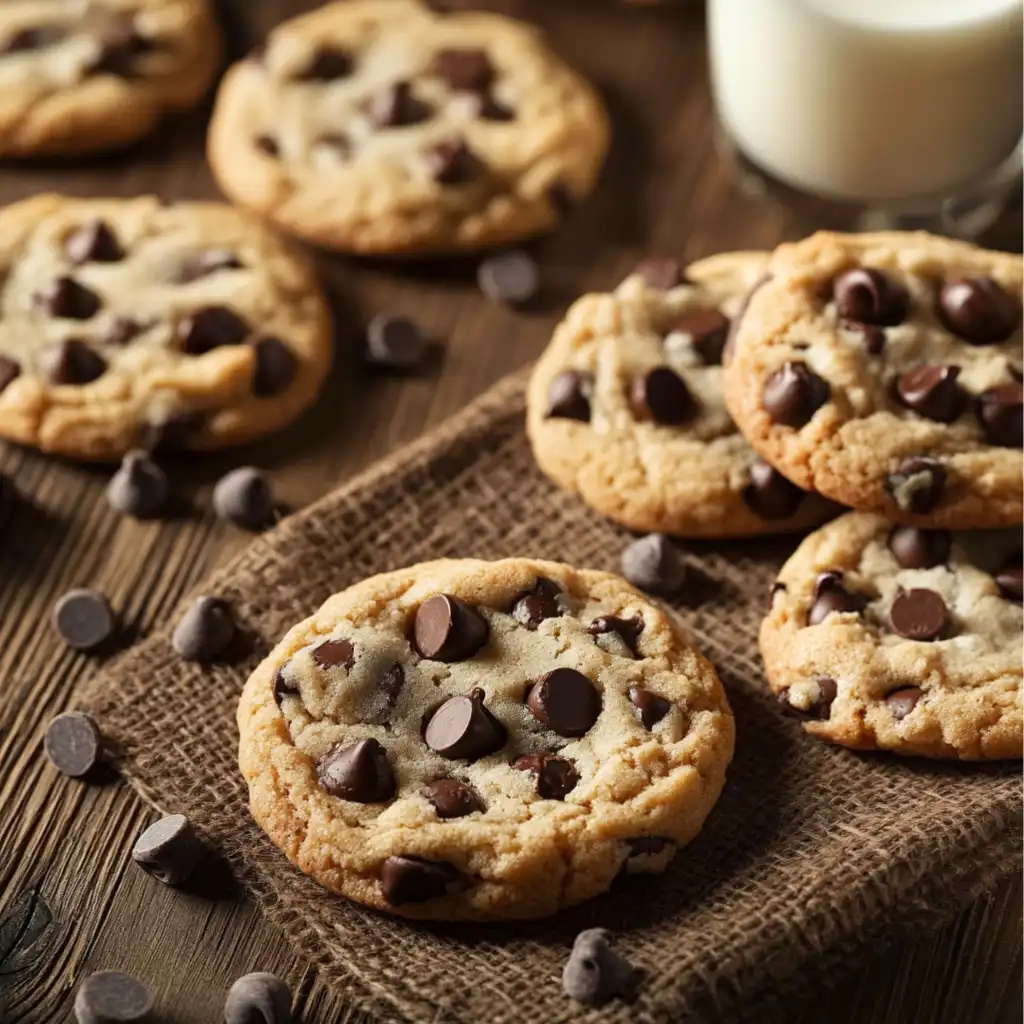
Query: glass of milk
x=873 y=113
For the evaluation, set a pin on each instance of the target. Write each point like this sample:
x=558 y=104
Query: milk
x=870 y=100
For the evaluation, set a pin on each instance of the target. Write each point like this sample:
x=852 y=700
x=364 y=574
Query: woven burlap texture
x=814 y=857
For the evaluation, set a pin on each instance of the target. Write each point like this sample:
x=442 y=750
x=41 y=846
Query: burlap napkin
x=813 y=856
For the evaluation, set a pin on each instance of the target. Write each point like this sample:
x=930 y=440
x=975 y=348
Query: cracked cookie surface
x=901 y=638
x=381 y=126
x=483 y=740
x=128 y=323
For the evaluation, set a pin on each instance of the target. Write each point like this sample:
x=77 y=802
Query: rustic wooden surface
x=71 y=901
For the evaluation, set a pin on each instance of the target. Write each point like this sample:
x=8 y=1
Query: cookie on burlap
x=128 y=323
x=480 y=740
x=883 y=371
x=901 y=638
x=382 y=126
x=625 y=407
x=85 y=75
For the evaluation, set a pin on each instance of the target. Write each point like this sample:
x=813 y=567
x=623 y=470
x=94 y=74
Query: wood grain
x=70 y=899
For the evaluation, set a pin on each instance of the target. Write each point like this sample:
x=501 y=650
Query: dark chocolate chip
x=453 y=799
x=872 y=337
x=326 y=64
x=821 y=708
x=93 y=243
x=793 y=394
x=274 y=366
x=769 y=494
x=464 y=70
x=113 y=997
x=244 y=497
x=169 y=850
x=267 y=145
x=914 y=548
x=463 y=728
x=121 y=330
x=205 y=631
x=203 y=264
x=447 y=629
x=120 y=47
x=919 y=614
x=1009 y=578
x=84 y=619
x=932 y=392
x=509 y=277
x=831 y=596
x=999 y=410
x=534 y=606
x=870 y=296
x=917 y=484
x=452 y=163
x=628 y=629
x=69 y=300
x=394 y=106
x=978 y=310
x=650 y=708
x=35 y=37
x=71 y=362
x=9 y=369
x=359 y=772
x=282 y=688
x=661 y=395
x=902 y=702
x=335 y=654
x=662 y=272
x=139 y=488
x=73 y=744
x=595 y=973
x=556 y=776
x=566 y=701
x=258 y=998
x=569 y=396
x=209 y=328
x=394 y=342
x=388 y=689
x=653 y=564
x=707 y=330
x=415 y=879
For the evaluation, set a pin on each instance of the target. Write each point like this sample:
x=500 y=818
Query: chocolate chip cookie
x=625 y=407
x=84 y=75
x=131 y=324
x=901 y=638
x=884 y=371
x=386 y=126
x=482 y=740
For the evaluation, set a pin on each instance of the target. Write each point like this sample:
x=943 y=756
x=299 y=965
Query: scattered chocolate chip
x=534 y=606
x=793 y=394
x=326 y=64
x=1009 y=578
x=902 y=702
x=769 y=494
x=831 y=596
x=1000 y=413
x=919 y=614
x=509 y=277
x=120 y=46
x=9 y=370
x=872 y=337
x=274 y=366
x=415 y=879
x=662 y=272
x=661 y=395
x=112 y=997
x=595 y=973
x=566 y=701
x=628 y=629
x=463 y=728
x=359 y=772
x=335 y=654
x=447 y=629
x=205 y=631
x=820 y=708
x=464 y=70
x=258 y=998
x=569 y=396
x=394 y=106
x=73 y=744
x=914 y=548
x=556 y=776
x=650 y=708
x=395 y=342
x=932 y=392
x=870 y=296
x=452 y=163
x=121 y=330
x=139 y=488
x=707 y=330
x=282 y=688
x=71 y=362
x=917 y=484
x=653 y=564
x=169 y=849
x=35 y=37
x=69 y=300
x=93 y=243
x=453 y=799
x=267 y=145
x=244 y=497
x=978 y=310
x=209 y=328
x=84 y=619
x=203 y=264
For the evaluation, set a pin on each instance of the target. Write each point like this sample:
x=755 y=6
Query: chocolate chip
x=453 y=799
x=267 y=145
x=820 y=708
x=662 y=272
x=34 y=37
x=393 y=106
x=395 y=342
x=203 y=264
x=978 y=310
x=918 y=614
x=9 y=369
x=326 y=64
x=447 y=629
x=139 y=488
x=112 y=997
x=205 y=631
x=556 y=776
x=831 y=596
x=566 y=701
x=258 y=998
x=661 y=395
x=509 y=277
x=1000 y=411
x=415 y=879
x=917 y=484
x=244 y=497
x=650 y=708
x=120 y=47
x=69 y=300
x=870 y=296
x=84 y=619
x=569 y=396
x=462 y=728
x=628 y=629
x=71 y=362
x=169 y=850
x=769 y=494
x=793 y=394
x=452 y=163
x=335 y=654
x=707 y=330
x=902 y=702
x=653 y=564
x=595 y=973
x=386 y=694
x=1009 y=578
x=93 y=243
x=873 y=338
x=73 y=744
x=914 y=548
x=282 y=688
x=121 y=330
x=358 y=771
x=531 y=608
x=932 y=392
x=463 y=69
x=274 y=367
x=209 y=328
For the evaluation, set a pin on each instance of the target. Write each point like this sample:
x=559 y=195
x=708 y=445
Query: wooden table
x=71 y=900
